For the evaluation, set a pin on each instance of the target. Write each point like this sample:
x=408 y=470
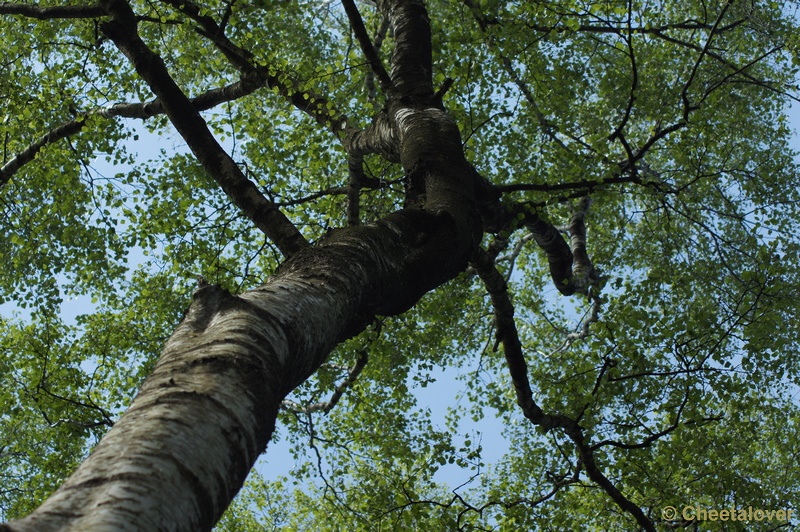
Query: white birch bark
x=179 y=454
x=183 y=449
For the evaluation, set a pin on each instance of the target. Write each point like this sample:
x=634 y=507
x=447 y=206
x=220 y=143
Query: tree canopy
x=581 y=213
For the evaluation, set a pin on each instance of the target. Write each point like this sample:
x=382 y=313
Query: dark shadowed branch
x=506 y=331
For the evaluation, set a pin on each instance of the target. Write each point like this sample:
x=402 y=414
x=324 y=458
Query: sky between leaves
x=700 y=285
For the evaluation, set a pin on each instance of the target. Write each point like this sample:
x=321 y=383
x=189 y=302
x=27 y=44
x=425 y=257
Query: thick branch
x=28 y=154
x=412 y=63
x=559 y=255
x=583 y=273
x=506 y=332
x=379 y=137
x=570 y=267
x=194 y=130
x=228 y=366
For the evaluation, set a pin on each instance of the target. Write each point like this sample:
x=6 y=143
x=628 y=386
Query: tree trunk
x=183 y=449
x=179 y=454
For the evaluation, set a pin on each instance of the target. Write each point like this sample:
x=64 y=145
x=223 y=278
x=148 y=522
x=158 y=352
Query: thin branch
x=201 y=102
x=633 y=155
x=625 y=173
x=366 y=182
x=687 y=106
x=549 y=128
x=587 y=184
x=355 y=167
x=740 y=70
x=369 y=81
x=49 y=13
x=209 y=28
x=333 y=191
x=710 y=53
x=457 y=498
x=585 y=326
x=226 y=16
x=352 y=376
x=690 y=25
x=647 y=442
x=303 y=98
x=619 y=130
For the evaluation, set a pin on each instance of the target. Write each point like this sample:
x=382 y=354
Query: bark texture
x=180 y=453
x=183 y=449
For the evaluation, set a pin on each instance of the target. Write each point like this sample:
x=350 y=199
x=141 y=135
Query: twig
x=338 y=392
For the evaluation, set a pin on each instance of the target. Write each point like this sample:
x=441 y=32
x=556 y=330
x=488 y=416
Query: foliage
x=680 y=364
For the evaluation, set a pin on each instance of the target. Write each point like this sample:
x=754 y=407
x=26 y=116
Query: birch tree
x=586 y=209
